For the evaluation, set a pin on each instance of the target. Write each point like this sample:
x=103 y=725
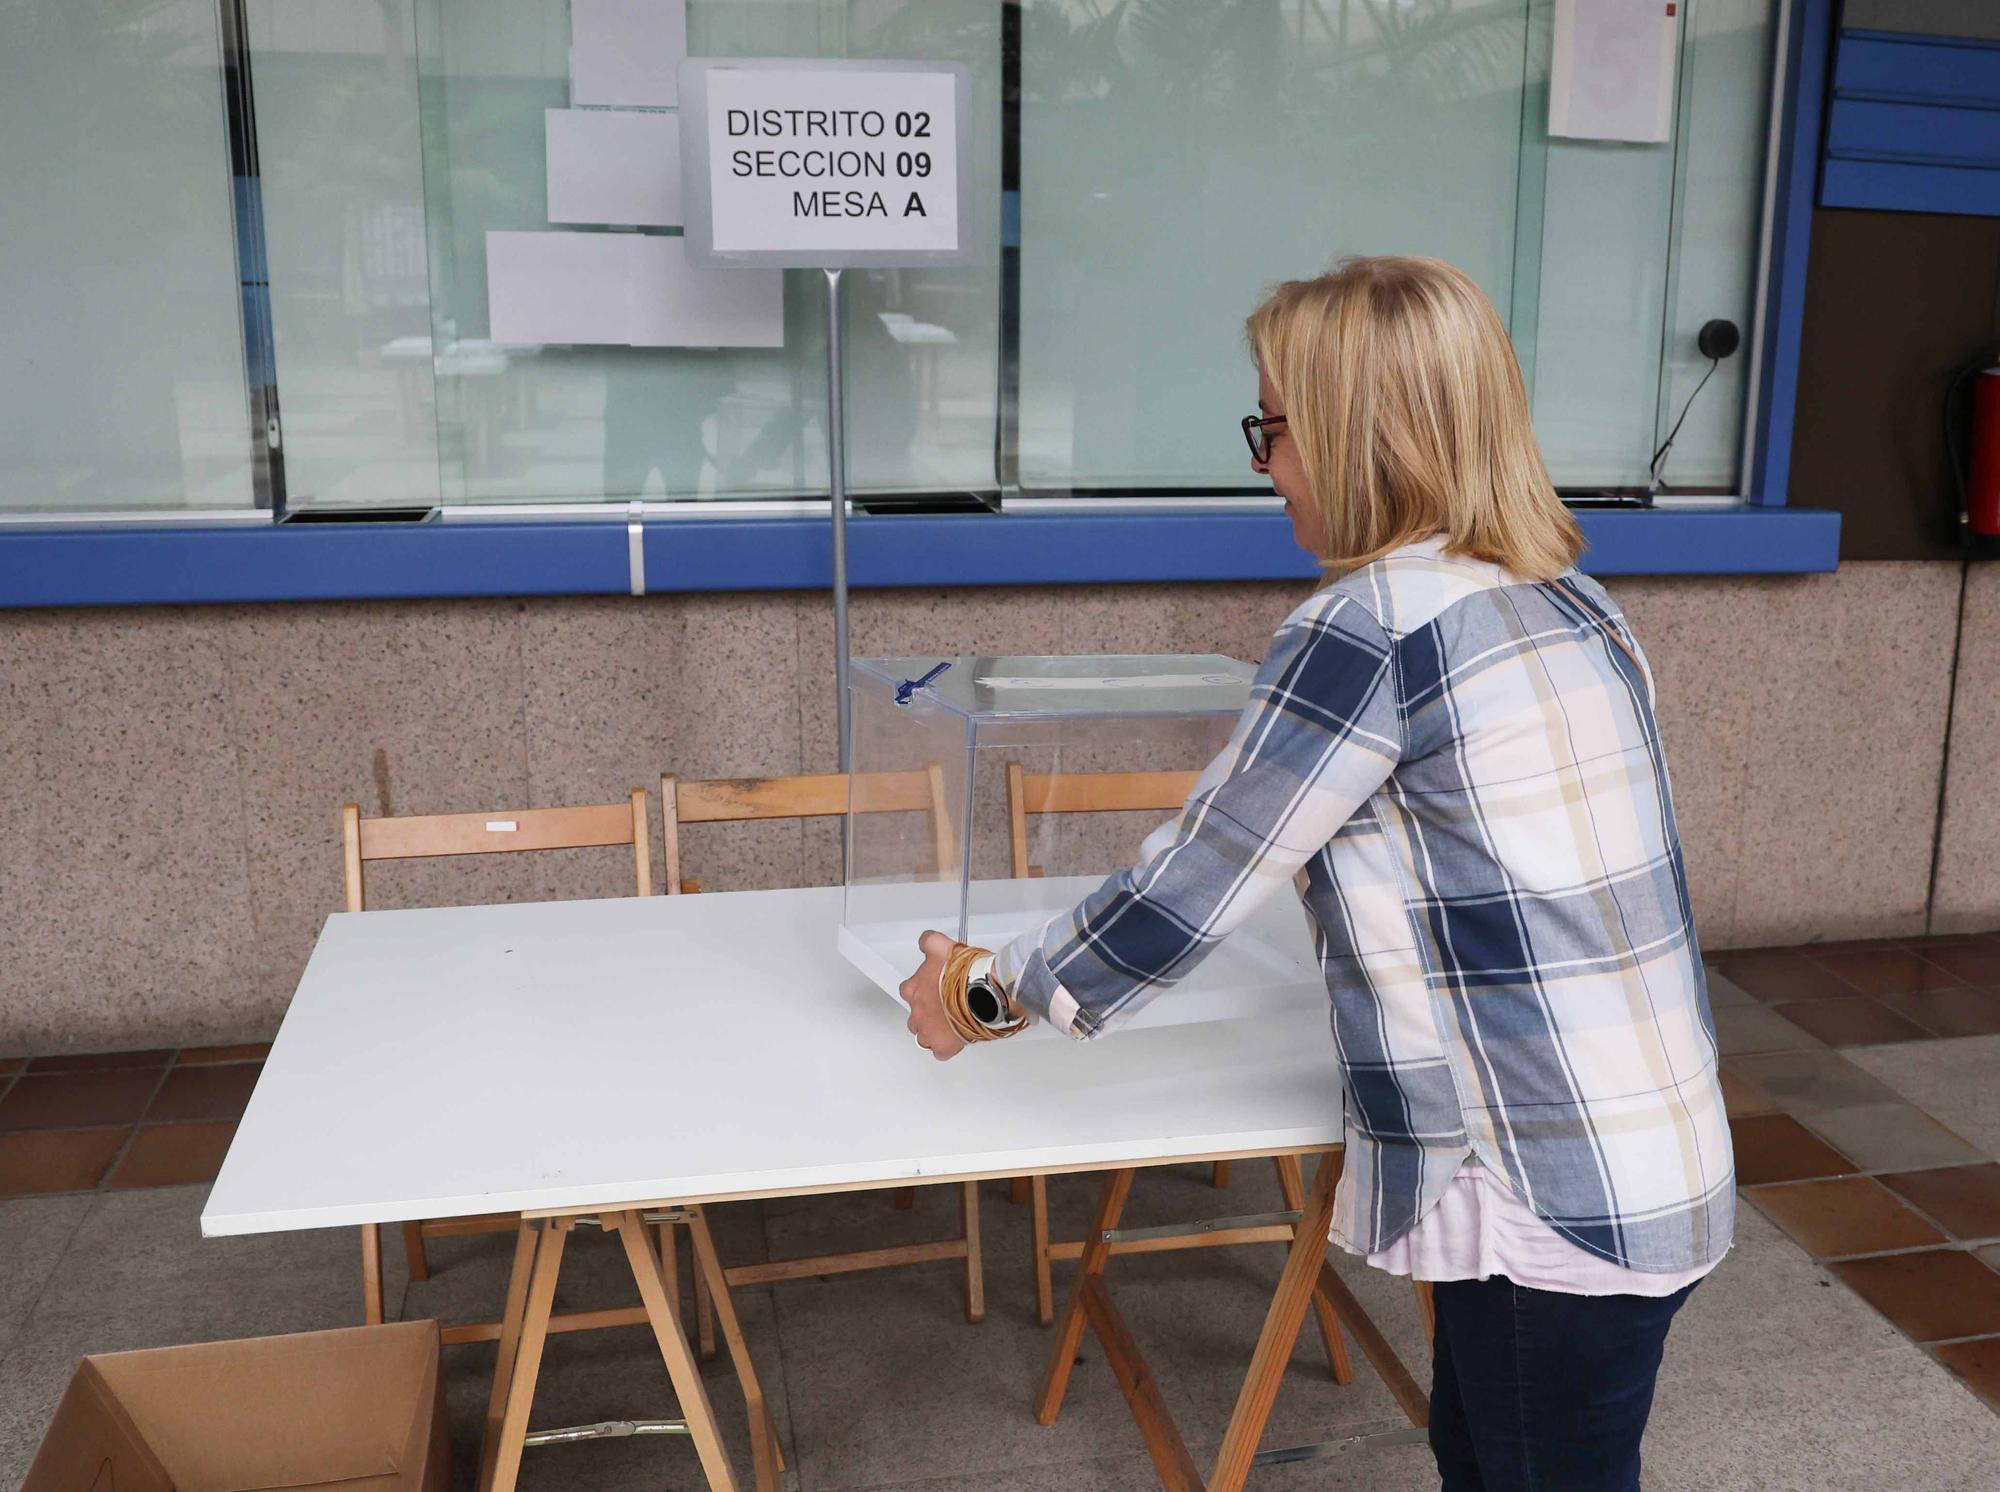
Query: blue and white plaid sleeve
x=1320 y=735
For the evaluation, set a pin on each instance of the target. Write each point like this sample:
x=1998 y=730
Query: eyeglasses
x=1257 y=431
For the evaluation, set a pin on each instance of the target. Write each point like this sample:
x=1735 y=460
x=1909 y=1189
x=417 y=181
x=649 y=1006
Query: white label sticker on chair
x=501 y=826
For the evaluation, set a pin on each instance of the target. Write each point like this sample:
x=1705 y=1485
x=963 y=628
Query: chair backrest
x=1085 y=792
x=725 y=800
x=421 y=836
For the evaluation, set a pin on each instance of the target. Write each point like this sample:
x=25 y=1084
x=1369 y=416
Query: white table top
x=585 y=1054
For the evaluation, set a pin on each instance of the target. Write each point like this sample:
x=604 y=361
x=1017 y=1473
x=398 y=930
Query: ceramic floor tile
x=468 y=1276
x=1889 y=1420
x=1136 y=1474
x=1808 y=1081
x=850 y=1343
x=1891 y=971
x=1936 y=1294
x=849 y=1346
x=65 y=1160
x=1952 y=1081
x=1950 y=1012
x=138 y=1273
x=1975 y=961
x=1843 y=1215
x=34 y=1231
x=73 y=1100
x=1769 y=1304
x=1780 y=977
x=101 y=1061
x=1375 y=1468
x=194 y=1056
x=1890 y=1137
x=1722 y=990
x=33 y=1375
x=1965 y=1199
x=1741 y=1096
x=174 y=1155
x=1743 y=1029
x=1816 y=1408
x=1976 y=1364
x=1776 y=1147
x=11 y=1065
x=205 y=1092
x=1856 y=1022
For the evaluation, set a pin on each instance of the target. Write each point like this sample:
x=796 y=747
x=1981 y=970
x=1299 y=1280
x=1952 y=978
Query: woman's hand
x=928 y=1022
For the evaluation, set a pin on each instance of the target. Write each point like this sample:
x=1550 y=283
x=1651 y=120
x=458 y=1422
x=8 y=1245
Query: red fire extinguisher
x=1982 y=487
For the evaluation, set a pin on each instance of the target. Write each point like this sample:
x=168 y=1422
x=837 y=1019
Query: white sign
x=614 y=166
x=623 y=290
x=626 y=53
x=824 y=164
x=1611 y=73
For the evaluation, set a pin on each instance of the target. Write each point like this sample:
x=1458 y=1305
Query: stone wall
x=170 y=779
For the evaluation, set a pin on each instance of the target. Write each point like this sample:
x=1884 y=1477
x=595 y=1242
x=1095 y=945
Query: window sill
x=109 y=565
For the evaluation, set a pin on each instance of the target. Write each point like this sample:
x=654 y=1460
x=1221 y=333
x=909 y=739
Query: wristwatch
x=984 y=998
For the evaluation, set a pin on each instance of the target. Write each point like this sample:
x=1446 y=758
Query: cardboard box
x=360 y=1410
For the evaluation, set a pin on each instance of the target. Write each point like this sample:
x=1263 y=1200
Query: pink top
x=1479 y=1228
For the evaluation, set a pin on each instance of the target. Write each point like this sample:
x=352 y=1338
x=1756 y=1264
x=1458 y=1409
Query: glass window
x=565 y=423
x=123 y=384
x=1142 y=172
x=342 y=166
x=1178 y=157
x=1637 y=247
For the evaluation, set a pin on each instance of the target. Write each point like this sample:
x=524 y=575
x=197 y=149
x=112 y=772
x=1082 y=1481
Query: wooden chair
x=1153 y=792
x=741 y=799
x=425 y=836
x=1090 y=792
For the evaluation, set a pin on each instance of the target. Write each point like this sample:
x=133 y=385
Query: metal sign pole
x=836 y=456
x=919 y=214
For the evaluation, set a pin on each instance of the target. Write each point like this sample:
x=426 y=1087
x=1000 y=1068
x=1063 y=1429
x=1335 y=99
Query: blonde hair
x=1401 y=389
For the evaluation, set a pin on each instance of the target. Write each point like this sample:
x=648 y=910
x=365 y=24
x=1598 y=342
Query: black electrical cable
x=1972 y=368
x=1653 y=467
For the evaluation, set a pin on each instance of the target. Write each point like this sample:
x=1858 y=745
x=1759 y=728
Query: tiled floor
x=122 y=1119
x=1902 y=1208
x=1834 y=1349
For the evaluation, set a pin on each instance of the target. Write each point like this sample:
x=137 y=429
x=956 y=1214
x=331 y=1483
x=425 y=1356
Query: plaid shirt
x=1461 y=774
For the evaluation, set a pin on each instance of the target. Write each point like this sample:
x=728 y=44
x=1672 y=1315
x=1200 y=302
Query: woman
x=1450 y=750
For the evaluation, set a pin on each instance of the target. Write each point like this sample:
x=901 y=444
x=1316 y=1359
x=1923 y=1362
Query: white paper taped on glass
x=990 y=794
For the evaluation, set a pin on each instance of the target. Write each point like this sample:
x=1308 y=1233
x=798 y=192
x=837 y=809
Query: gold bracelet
x=953 y=990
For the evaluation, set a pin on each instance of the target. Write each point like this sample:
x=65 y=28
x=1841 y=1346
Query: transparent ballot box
x=989 y=794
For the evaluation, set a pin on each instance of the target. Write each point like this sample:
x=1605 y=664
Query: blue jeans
x=1534 y=1391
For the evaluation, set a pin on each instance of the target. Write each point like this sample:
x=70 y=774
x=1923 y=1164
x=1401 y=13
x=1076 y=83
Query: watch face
x=983 y=1003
